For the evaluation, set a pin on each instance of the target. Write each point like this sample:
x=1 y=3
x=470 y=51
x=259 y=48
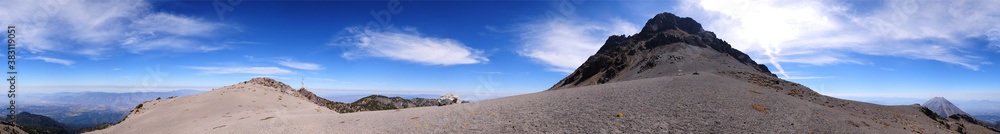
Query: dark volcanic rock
x=644 y=51
x=943 y=107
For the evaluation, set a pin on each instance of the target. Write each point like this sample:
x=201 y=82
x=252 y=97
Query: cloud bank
x=406 y=44
x=97 y=29
x=829 y=32
x=563 y=44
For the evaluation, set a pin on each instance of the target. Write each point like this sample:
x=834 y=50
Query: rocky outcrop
x=943 y=107
x=961 y=121
x=305 y=94
x=379 y=102
x=448 y=99
x=11 y=128
x=268 y=82
x=658 y=43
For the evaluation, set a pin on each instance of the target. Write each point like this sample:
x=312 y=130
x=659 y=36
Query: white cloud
x=96 y=29
x=563 y=44
x=407 y=45
x=244 y=70
x=993 y=36
x=53 y=60
x=288 y=62
x=789 y=31
x=300 y=65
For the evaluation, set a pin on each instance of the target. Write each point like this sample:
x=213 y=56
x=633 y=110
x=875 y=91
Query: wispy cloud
x=406 y=44
x=300 y=65
x=288 y=62
x=563 y=44
x=52 y=60
x=830 y=32
x=243 y=70
x=96 y=29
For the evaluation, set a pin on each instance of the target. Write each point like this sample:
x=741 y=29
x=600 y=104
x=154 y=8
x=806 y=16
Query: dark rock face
x=943 y=107
x=668 y=21
x=621 y=52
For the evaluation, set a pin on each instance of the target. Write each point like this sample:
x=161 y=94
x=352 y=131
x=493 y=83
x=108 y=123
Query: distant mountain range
x=86 y=109
x=985 y=110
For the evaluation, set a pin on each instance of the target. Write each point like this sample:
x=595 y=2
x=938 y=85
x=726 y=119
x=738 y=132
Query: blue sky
x=486 y=49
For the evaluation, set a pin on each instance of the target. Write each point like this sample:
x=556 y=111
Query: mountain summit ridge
x=655 y=44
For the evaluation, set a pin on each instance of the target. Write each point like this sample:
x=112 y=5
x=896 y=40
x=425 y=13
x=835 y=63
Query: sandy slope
x=707 y=103
x=235 y=108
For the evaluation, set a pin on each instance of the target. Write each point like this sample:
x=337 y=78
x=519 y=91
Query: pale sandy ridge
x=236 y=108
x=707 y=103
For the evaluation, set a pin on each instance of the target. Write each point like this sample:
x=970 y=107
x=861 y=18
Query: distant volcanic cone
x=942 y=107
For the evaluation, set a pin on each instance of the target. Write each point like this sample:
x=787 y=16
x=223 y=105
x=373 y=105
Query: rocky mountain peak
x=668 y=21
x=667 y=44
